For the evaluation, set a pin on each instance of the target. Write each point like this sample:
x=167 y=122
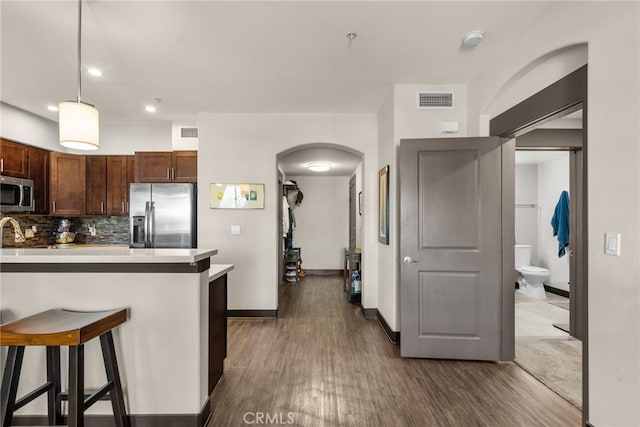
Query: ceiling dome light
x=473 y=38
x=95 y=72
x=319 y=166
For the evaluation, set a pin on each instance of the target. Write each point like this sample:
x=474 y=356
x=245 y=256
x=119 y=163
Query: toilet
x=530 y=278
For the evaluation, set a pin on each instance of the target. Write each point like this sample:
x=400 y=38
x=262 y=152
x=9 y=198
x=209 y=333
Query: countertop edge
x=218 y=270
x=104 y=256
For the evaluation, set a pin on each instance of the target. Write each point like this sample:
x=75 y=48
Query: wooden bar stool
x=55 y=328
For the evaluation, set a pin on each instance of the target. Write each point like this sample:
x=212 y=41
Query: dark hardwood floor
x=322 y=364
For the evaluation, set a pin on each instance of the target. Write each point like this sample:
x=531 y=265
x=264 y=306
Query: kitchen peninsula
x=169 y=350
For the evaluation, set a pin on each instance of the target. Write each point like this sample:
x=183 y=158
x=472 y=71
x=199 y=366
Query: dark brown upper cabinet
x=96 y=185
x=67 y=184
x=117 y=185
x=14 y=159
x=166 y=166
x=39 y=173
x=185 y=166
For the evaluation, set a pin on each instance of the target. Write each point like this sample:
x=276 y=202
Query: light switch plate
x=235 y=230
x=612 y=243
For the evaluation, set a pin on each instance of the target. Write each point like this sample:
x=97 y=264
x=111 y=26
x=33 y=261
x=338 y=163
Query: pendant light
x=77 y=120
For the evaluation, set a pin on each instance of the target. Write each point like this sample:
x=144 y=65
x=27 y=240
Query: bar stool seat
x=55 y=328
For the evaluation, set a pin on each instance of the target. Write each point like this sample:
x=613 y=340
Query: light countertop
x=103 y=255
x=217 y=270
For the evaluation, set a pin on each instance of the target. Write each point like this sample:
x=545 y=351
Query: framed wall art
x=237 y=196
x=383 y=205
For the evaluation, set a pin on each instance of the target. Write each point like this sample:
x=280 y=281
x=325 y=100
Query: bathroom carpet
x=557 y=363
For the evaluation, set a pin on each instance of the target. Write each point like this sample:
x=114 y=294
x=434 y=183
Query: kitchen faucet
x=19 y=237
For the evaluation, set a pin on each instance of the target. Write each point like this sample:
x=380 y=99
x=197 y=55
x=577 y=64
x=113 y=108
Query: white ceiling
x=537 y=157
x=264 y=56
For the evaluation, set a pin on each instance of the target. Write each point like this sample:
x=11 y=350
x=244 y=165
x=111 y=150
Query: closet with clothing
x=292 y=197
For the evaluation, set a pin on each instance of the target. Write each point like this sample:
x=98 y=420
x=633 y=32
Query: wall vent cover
x=435 y=100
x=188 y=132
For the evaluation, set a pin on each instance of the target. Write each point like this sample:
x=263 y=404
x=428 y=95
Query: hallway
x=322 y=364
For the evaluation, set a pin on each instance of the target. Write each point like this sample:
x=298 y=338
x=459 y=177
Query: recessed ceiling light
x=52 y=108
x=95 y=72
x=319 y=166
x=150 y=109
x=473 y=38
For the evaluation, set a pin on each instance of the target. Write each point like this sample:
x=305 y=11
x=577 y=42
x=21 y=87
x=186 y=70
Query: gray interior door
x=451 y=248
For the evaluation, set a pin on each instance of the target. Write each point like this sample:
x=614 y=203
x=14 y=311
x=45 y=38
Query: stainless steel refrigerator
x=162 y=215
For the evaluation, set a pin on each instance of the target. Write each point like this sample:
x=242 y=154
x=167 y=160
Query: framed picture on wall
x=383 y=205
x=237 y=196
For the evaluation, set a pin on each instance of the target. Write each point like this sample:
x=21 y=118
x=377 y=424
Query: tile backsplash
x=109 y=230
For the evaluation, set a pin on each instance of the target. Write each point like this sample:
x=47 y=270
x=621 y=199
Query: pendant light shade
x=78 y=125
x=78 y=122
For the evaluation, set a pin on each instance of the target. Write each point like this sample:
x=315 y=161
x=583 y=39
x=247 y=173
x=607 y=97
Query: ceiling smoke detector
x=473 y=38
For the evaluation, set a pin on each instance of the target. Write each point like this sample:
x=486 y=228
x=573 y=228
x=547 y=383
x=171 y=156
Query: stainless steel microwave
x=16 y=194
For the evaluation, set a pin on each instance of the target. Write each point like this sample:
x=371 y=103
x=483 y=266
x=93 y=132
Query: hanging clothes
x=560 y=223
x=286 y=224
x=292 y=226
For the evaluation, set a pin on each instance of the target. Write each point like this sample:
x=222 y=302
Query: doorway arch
x=347 y=164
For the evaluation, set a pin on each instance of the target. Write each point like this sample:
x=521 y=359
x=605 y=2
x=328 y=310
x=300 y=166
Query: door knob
x=408 y=260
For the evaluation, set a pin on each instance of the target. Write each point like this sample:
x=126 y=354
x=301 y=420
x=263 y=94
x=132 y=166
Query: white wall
x=388 y=294
x=28 y=128
x=131 y=138
x=399 y=118
x=527 y=210
x=322 y=221
x=181 y=144
x=21 y=126
x=611 y=30
x=243 y=148
x=553 y=178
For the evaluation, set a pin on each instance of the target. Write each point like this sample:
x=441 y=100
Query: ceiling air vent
x=435 y=100
x=188 y=132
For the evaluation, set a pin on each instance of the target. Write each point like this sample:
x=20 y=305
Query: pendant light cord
x=79 y=51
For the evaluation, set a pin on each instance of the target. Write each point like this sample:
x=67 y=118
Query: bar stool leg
x=10 y=383
x=53 y=376
x=111 y=367
x=76 y=385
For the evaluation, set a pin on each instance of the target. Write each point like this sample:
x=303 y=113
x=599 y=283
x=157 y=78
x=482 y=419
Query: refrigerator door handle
x=146 y=224
x=152 y=225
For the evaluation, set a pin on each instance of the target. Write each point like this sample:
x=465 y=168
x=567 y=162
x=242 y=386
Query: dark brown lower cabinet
x=217 y=329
